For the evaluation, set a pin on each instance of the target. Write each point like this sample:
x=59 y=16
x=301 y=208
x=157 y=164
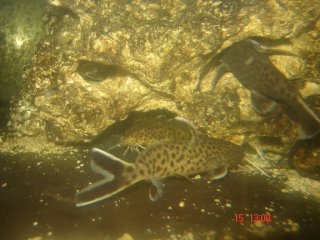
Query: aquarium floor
x=36 y=202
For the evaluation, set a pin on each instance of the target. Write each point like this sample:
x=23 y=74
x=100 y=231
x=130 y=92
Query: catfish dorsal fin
x=186 y=121
x=194 y=130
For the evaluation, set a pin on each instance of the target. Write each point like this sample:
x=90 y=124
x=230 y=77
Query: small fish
x=268 y=86
x=95 y=71
x=159 y=161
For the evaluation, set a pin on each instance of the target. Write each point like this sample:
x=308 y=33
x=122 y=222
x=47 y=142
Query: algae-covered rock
x=103 y=59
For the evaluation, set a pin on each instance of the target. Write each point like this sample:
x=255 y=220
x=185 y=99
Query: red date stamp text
x=252 y=217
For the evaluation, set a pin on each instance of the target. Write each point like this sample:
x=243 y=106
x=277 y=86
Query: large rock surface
x=158 y=48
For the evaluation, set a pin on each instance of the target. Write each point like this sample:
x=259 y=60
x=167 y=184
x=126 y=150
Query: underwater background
x=220 y=89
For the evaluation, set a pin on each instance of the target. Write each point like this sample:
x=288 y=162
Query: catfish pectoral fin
x=221 y=70
x=309 y=125
x=262 y=104
x=289 y=151
x=308 y=121
x=212 y=63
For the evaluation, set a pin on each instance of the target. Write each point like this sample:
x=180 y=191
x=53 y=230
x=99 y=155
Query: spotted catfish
x=199 y=155
x=251 y=65
x=147 y=131
x=151 y=130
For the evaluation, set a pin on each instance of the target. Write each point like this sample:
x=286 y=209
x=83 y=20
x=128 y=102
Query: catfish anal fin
x=217 y=174
x=156 y=190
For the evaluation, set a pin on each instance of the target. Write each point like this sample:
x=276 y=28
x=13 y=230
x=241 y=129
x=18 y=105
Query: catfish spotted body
x=187 y=158
x=199 y=155
x=150 y=130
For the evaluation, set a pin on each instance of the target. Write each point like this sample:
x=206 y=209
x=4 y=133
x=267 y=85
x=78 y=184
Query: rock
x=126 y=236
x=158 y=49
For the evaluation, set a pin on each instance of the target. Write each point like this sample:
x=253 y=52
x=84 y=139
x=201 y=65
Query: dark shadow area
x=4 y=115
x=95 y=71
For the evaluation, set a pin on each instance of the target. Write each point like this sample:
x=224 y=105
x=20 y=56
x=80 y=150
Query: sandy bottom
x=36 y=202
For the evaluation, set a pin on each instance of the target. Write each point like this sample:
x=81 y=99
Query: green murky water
x=37 y=190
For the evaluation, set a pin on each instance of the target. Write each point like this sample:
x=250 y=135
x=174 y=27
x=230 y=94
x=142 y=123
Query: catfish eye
x=95 y=71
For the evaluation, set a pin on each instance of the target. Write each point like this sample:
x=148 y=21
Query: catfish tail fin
x=114 y=181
